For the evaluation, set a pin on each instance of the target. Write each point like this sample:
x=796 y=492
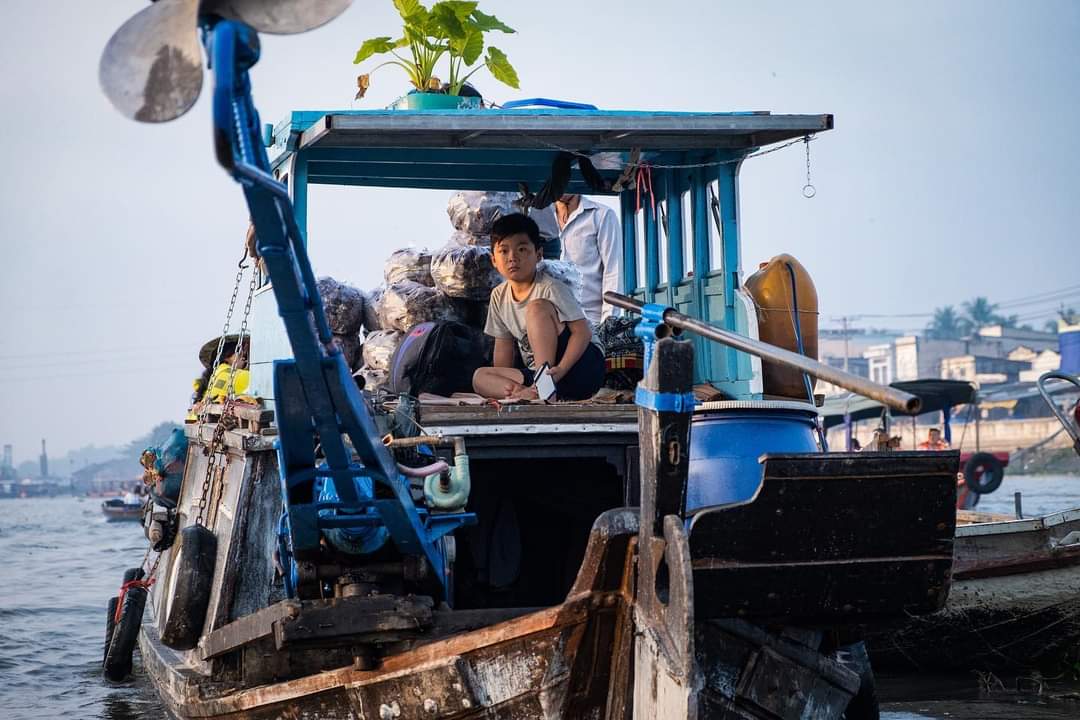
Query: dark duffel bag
x=436 y=357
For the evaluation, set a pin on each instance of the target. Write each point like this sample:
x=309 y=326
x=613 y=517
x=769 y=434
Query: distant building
x=982 y=370
x=1010 y=338
x=1040 y=363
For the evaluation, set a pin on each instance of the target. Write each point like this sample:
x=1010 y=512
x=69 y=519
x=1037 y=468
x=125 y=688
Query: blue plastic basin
x=727 y=438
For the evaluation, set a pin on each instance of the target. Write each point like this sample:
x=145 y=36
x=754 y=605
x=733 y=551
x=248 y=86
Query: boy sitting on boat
x=542 y=316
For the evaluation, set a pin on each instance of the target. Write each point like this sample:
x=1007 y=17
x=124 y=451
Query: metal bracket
x=651 y=328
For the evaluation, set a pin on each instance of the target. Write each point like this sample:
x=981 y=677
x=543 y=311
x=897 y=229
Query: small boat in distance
x=128 y=507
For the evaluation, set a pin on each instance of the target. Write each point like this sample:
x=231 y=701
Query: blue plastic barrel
x=727 y=438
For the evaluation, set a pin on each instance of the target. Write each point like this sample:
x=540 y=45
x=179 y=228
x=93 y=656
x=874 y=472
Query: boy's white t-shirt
x=506 y=316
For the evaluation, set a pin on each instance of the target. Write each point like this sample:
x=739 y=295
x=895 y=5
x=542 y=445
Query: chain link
x=808 y=190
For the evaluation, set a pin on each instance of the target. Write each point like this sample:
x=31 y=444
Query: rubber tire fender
x=118 y=656
x=110 y=619
x=993 y=472
x=195 y=555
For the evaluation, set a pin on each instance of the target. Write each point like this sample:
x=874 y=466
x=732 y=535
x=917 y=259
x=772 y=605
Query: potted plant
x=453 y=29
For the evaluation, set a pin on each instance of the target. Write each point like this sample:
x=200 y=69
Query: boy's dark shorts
x=583 y=380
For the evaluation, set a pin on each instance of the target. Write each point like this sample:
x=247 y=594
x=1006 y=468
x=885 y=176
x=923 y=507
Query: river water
x=60 y=562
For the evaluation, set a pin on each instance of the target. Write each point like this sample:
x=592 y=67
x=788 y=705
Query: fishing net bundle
x=371 y=309
x=464 y=271
x=379 y=347
x=565 y=272
x=408 y=264
x=408 y=303
x=344 y=304
x=350 y=346
x=474 y=212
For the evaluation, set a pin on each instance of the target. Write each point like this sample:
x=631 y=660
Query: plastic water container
x=728 y=437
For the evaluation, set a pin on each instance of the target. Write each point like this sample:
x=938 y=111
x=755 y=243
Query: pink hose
x=421 y=472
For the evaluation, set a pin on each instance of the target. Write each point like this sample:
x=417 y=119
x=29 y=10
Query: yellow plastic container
x=770 y=287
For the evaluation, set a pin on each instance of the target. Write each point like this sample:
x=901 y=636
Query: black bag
x=436 y=357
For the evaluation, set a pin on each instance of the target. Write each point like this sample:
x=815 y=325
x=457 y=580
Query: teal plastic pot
x=436 y=101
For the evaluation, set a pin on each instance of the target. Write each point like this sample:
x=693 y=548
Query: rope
x=145 y=584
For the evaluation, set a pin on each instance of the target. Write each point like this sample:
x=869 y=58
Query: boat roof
x=497 y=149
x=936 y=394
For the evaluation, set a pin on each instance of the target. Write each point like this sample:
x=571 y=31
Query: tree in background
x=947 y=324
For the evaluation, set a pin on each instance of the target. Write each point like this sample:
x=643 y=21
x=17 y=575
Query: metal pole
x=897 y=399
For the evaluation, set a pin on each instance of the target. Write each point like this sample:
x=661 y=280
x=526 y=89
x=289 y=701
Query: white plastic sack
x=371 y=309
x=379 y=347
x=408 y=264
x=408 y=303
x=344 y=306
x=464 y=271
x=460 y=237
x=474 y=212
x=565 y=272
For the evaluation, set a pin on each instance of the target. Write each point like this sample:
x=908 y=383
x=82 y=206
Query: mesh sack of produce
x=408 y=303
x=379 y=347
x=460 y=237
x=344 y=306
x=474 y=212
x=624 y=352
x=565 y=272
x=350 y=347
x=371 y=309
x=464 y=271
x=408 y=264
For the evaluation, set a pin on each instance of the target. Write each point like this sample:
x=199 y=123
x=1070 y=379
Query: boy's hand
x=556 y=372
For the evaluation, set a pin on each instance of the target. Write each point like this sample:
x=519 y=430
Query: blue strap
x=665 y=402
x=547 y=102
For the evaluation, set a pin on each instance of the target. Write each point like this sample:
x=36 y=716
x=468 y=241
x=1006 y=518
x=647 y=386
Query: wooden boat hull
x=1014 y=603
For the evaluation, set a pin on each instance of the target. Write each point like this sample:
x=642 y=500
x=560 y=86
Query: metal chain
x=808 y=190
x=225 y=328
x=682 y=166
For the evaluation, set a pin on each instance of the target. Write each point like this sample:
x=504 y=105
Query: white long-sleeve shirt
x=592 y=240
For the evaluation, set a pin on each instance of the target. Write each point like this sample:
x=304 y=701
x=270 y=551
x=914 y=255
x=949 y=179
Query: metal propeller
x=151 y=69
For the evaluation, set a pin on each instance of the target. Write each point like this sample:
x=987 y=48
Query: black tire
x=110 y=621
x=983 y=473
x=110 y=625
x=195 y=554
x=117 y=665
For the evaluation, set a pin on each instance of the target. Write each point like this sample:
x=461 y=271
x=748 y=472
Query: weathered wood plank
x=531 y=413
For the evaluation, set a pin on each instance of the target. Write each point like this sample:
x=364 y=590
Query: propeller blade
x=151 y=69
x=278 y=17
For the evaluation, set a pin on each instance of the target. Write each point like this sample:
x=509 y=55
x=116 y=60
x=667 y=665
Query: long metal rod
x=897 y=399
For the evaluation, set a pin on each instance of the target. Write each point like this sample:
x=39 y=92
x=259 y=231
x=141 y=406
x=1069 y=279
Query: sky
x=952 y=172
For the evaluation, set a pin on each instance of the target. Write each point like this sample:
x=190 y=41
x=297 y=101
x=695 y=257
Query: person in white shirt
x=591 y=239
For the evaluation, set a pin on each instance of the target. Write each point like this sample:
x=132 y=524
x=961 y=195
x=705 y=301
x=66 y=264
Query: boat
x=983 y=472
x=122 y=508
x=1014 y=603
x=550 y=561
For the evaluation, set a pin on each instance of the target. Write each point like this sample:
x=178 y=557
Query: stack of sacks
x=345 y=307
x=371 y=309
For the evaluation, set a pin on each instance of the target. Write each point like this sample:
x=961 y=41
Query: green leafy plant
x=451 y=28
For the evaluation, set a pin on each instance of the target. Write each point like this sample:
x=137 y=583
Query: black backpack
x=436 y=357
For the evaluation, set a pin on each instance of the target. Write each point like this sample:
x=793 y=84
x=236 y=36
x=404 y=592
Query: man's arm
x=609 y=246
x=504 y=352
